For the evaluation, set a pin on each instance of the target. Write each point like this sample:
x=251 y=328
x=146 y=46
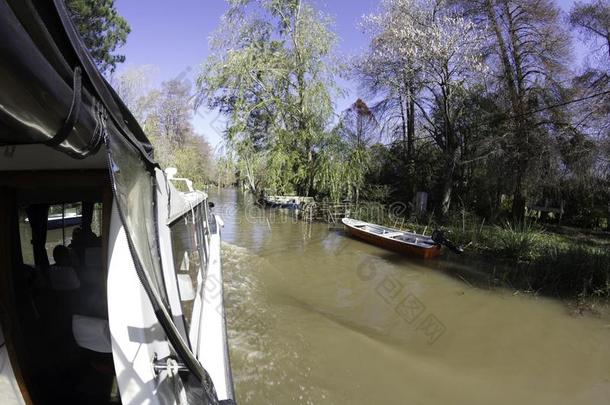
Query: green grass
x=518 y=241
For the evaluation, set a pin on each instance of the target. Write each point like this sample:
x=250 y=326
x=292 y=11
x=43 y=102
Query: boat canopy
x=52 y=92
x=53 y=96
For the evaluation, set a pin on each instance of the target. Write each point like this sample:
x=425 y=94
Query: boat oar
x=439 y=238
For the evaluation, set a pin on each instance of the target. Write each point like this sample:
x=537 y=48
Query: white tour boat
x=128 y=307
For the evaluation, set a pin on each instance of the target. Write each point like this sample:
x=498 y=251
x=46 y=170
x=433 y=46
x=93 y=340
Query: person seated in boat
x=86 y=249
x=90 y=239
x=61 y=255
x=82 y=239
x=61 y=274
x=75 y=247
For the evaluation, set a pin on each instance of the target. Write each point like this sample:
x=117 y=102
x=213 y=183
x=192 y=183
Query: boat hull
x=394 y=244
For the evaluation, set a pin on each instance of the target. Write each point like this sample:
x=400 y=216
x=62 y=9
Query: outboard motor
x=439 y=238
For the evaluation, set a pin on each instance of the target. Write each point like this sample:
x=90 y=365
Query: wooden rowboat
x=408 y=243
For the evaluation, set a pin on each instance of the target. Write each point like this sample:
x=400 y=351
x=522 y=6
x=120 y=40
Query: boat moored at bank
x=408 y=243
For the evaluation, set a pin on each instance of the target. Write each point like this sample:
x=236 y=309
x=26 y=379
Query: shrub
x=520 y=241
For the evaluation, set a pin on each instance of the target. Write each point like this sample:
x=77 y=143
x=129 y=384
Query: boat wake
x=265 y=354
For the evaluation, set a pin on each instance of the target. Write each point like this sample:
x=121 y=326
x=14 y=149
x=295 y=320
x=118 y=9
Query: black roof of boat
x=52 y=92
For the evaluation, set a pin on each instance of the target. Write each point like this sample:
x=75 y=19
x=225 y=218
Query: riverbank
x=568 y=263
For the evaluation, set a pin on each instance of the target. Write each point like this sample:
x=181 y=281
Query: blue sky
x=173 y=37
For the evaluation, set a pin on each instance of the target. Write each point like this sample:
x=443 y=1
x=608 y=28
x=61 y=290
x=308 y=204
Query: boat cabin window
x=190 y=255
x=64 y=223
x=56 y=234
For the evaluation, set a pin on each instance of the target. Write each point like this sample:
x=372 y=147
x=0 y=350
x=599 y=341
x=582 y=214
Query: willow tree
x=359 y=129
x=272 y=73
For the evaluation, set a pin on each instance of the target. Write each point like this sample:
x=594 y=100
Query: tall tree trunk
x=513 y=77
x=519 y=199
x=503 y=53
x=411 y=136
x=448 y=181
x=451 y=143
x=407 y=115
x=250 y=180
x=310 y=173
x=411 y=123
x=403 y=126
x=522 y=130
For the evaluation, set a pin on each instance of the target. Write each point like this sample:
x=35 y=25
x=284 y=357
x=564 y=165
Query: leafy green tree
x=225 y=171
x=194 y=160
x=102 y=28
x=272 y=73
x=358 y=128
x=165 y=115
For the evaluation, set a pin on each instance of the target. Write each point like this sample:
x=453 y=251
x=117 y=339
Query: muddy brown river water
x=316 y=317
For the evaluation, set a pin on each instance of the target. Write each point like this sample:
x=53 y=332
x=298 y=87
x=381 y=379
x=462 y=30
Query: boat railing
x=171 y=173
